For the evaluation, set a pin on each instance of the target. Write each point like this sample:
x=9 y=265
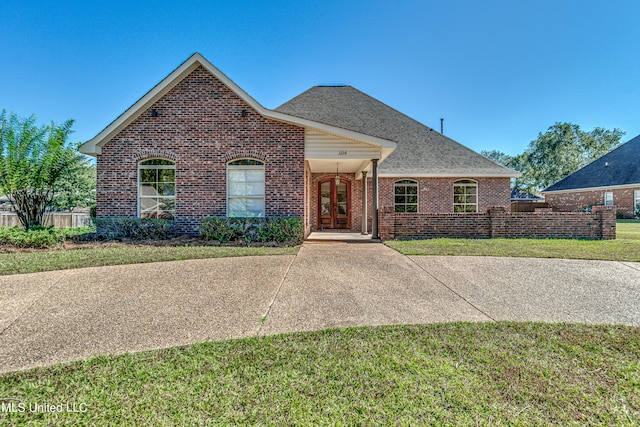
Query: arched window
x=245 y=188
x=465 y=196
x=405 y=196
x=157 y=189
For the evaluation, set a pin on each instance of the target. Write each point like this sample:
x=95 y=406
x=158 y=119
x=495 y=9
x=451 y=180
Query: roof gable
x=94 y=146
x=620 y=166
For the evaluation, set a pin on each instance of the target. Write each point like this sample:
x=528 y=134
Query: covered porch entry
x=341 y=184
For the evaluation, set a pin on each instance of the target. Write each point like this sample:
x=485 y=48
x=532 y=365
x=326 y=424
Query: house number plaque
x=342 y=152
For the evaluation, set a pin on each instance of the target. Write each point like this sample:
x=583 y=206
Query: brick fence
x=599 y=224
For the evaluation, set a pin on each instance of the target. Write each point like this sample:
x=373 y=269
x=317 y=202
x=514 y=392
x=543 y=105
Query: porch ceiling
x=344 y=165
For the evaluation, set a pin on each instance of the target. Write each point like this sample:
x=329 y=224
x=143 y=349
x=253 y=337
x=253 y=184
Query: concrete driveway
x=67 y=315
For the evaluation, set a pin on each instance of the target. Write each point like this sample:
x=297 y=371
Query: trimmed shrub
x=282 y=229
x=217 y=228
x=113 y=228
x=248 y=230
x=36 y=237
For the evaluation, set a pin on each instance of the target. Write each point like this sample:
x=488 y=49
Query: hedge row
x=248 y=230
x=245 y=230
x=110 y=228
x=37 y=237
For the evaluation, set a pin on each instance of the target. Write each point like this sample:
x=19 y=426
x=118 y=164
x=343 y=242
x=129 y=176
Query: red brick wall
x=577 y=201
x=599 y=224
x=200 y=126
x=435 y=195
x=430 y=226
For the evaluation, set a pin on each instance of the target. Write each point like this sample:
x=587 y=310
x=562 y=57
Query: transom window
x=245 y=188
x=157 y=188
x=465 y=196
x=405 y=196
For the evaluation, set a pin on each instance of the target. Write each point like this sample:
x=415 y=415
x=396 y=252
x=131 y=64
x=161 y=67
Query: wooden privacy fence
x=57 y=219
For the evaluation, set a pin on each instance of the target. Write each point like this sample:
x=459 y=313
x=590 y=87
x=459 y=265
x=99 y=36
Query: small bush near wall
x=249 y=230
x=37 y=237
x=110 y=228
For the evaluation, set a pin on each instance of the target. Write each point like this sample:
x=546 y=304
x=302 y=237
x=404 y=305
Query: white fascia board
x=92 y=147
x=608 y=187
x=466 y=174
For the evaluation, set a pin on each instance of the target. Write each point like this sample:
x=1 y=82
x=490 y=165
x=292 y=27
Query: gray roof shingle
x=521 y=195
x=620 y=166
x=420 y=149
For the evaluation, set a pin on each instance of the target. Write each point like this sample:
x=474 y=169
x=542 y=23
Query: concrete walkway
x=73 y=314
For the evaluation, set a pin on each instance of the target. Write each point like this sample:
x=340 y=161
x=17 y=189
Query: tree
x=498 y=157
x=77 y=188
x=561 y=150
x=32 y=161
x=512 y=162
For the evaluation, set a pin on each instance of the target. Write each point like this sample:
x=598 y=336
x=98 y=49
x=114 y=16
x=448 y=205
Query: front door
x=334 y=204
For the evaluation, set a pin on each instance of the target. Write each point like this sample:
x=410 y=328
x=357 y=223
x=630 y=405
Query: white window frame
x=406 y=183
x=465 y=183
x=636 y=201
x=142 y=166
x=608 y=201
x=261 y=167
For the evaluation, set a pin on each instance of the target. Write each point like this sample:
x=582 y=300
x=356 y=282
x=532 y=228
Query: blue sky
x=499 y=72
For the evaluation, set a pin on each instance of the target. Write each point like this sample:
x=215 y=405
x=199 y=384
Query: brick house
x=197 y=145
x=611 y=180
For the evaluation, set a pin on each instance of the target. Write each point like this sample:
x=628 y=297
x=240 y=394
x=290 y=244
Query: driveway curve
x=66 y=315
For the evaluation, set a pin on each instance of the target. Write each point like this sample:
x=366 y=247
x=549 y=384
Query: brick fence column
x=387 y=224
x=497 y=221
x=606 y=216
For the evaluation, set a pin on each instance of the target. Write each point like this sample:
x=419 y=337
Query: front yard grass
x=625 y=248
x=32 y=262
x=444 y=374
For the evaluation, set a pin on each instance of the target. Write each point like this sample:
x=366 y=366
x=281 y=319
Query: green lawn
x=625 y=248
x=31 y=262
x=446 y=374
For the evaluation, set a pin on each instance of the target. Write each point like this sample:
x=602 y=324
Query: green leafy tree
x=512 y=162
x=77 y=188
x=33 y=159
x=499 y=157
x=561 y=150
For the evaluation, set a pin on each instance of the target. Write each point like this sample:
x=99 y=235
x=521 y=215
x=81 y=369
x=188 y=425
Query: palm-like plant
x=32 y=160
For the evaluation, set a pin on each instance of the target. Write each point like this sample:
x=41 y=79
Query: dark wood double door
x=334 y=204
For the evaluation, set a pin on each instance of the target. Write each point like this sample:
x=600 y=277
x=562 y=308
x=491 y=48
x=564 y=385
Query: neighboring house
x=197 y=145
x=518 y=195
x=523 y=201
x=611 y=180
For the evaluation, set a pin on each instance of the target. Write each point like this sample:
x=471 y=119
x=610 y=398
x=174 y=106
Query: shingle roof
x=620 y=166
x=420 y=149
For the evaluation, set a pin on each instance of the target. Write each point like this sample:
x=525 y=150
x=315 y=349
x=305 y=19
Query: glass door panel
x=334 y=204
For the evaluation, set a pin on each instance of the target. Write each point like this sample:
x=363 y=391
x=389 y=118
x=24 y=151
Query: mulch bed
x=81 y=242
